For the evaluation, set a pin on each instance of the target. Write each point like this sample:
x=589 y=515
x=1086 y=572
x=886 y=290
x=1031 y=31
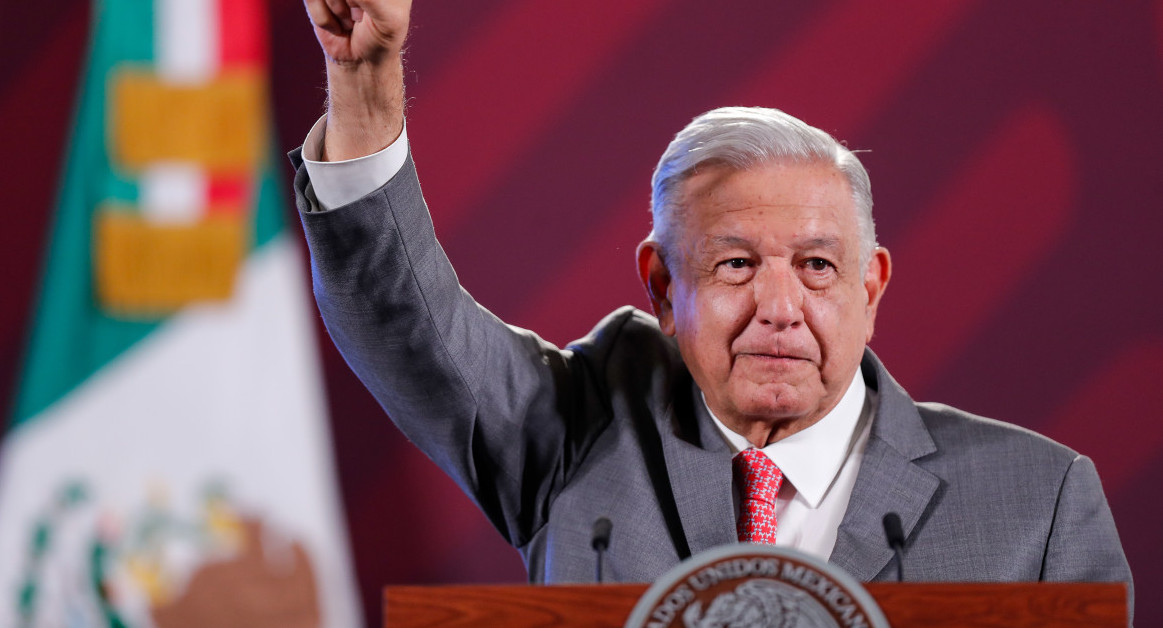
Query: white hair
x=742 y=138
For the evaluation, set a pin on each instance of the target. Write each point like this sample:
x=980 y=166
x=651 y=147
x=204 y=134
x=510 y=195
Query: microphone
x=896 y=541
x=600 y=542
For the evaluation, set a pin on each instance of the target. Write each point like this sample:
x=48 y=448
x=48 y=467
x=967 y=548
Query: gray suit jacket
x=546 y=440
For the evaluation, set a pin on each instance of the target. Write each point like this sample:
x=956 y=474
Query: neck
x=763 y=432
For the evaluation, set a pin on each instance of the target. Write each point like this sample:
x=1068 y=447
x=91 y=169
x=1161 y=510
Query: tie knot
x=757 y=476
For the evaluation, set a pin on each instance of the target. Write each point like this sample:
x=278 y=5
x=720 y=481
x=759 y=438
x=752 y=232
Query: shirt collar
x=811 y=458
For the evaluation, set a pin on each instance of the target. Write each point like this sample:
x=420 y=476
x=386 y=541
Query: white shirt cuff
x=337 y=183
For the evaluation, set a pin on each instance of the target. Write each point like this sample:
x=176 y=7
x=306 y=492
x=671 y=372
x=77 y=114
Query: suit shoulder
x=626 y=325
x=953 y=429
x=627 y=346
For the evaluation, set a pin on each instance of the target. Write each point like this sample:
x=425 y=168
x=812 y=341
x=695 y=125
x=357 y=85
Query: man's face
x=765 y=293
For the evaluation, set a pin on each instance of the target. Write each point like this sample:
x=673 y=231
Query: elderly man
x=748 y=409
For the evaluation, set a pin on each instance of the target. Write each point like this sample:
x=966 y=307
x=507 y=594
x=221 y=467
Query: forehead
x=769 y=202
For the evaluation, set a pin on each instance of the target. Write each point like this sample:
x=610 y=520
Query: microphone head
x=893 y=530
x=601 y=538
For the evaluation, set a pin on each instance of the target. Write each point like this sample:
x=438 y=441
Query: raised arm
x=501 y=411
x=363 y=41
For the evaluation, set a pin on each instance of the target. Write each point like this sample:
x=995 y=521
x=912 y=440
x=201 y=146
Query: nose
x=779 y=297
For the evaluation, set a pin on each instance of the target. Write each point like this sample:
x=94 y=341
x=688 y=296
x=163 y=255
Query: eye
x=736 y=270
x=818 y=265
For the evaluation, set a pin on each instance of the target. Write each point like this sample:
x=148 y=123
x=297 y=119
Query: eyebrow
x=824 y=242
x=728 y=242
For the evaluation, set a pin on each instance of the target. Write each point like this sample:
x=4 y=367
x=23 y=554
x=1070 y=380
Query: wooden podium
x=906 y=605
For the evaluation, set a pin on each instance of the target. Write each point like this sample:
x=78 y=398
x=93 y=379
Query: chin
x=775 y=405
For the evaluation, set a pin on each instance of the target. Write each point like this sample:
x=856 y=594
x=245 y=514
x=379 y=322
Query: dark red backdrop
x=1015 y=152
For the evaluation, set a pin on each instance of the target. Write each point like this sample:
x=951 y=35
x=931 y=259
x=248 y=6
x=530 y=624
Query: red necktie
x=758 y=479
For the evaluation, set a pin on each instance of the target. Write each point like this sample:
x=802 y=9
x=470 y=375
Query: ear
x=875 y=282
x=656 y=279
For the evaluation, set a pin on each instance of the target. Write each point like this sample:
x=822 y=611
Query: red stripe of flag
x=243 y=33
x=228 y=193
x=243 y=44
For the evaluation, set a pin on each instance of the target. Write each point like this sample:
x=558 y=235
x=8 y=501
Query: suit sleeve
x=1084 y=544
x=494 y=406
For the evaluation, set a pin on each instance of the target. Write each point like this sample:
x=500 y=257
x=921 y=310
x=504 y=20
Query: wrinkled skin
x=765 y=293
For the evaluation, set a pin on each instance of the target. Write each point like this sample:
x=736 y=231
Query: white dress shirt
x=819 y=464
x=337 y=183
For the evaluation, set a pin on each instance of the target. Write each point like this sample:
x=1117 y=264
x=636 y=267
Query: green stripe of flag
x=71 y=337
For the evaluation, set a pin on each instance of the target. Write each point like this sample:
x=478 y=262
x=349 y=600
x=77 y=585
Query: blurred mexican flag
x=168 y=461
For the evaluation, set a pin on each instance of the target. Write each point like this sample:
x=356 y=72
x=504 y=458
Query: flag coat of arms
x=168 y=461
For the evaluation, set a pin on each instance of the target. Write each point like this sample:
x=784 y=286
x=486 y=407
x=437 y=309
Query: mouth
x=774 y=358
x=771 y=367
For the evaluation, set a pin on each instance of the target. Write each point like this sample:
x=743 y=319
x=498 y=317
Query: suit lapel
x=698 y=467
x=889 y=480
x=698 y=464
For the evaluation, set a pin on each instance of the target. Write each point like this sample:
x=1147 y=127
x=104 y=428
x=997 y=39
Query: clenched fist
x=360 y=31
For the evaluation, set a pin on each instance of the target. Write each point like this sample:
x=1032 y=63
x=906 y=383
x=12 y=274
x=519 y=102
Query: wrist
x=365 y=107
